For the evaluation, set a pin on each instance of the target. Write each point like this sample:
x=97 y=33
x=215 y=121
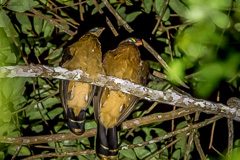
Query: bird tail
x=76 y=124
x=107 y=142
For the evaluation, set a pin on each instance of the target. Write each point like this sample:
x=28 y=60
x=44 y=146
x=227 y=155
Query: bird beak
x=138 y=43
x=99 y=31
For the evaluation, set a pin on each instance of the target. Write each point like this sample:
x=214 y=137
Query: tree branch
x=90 y=133
x=168 y=97
x=130 y=146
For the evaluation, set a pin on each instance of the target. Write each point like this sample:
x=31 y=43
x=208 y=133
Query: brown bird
x=86 y=55
x=112 y=107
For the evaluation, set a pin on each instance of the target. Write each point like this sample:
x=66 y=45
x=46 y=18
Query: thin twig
x=172 y=129
x=188 y=149
x=161 y=16
x=145 y=112
x=163 y=28
x=90 y=133
x=62 y=154
x=81 y=10
x=117 y=16
x=199 y=147
x=171 y=134
x=160 y=75
x=217 y=151
x=154 y=140
x=167 y=146
x=224 y=29
x=97 y=6
x=16 y=152
x=230 y=136
x=52 y=21
x=164 y=64
x=40 y=101
x=212 y=135
x=169 y=45
x=38 y=108
x=110 y=25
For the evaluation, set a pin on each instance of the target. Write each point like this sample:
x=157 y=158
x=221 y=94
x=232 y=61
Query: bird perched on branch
x=112 y=107
x=86 y=55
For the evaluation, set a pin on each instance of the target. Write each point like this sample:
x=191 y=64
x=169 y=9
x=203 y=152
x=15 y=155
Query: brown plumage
x=86 y=55
x=112 y=107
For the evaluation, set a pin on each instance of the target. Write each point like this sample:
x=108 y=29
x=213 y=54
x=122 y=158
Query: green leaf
x=237 y=27
x=20 y=5
x=159 y=6
x=95 y=10
x=58 y=126
x=178 y=70
x=2 y=155
x=2 y=2
x=182 y=146
x=178 y=7
x=155 y=65
x=53 y=113
x=182 y=125
x=7 y=128
x=23 y=152
x=25 y=22
x=121 y=12
x=5 y=115
x=220 y=19
x=90 y=124
x=129 y=153
x=38 y=24
x=147 y=5
x=158 y=85
x=48 y=29
x=132 y=16
x=50 y=102
x=176 y=155
x=141 y=152
x=38 y=128
x=237 y=143
x=4 y=19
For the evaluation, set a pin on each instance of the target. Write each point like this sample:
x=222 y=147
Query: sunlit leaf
x=237 y=27
x=220 y=19
x=2 y=2
x=178 y=7
x=4 y=19
x=159 y=6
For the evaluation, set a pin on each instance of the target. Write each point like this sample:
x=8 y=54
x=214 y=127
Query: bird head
x=136 y=41
x=97 y=31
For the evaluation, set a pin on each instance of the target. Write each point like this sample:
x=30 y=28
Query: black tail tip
x=106 y=143
x=76 y=124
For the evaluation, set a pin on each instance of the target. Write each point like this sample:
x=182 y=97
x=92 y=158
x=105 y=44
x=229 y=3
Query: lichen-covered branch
x=90 y=133
x=168 y=97
x=154 y=140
